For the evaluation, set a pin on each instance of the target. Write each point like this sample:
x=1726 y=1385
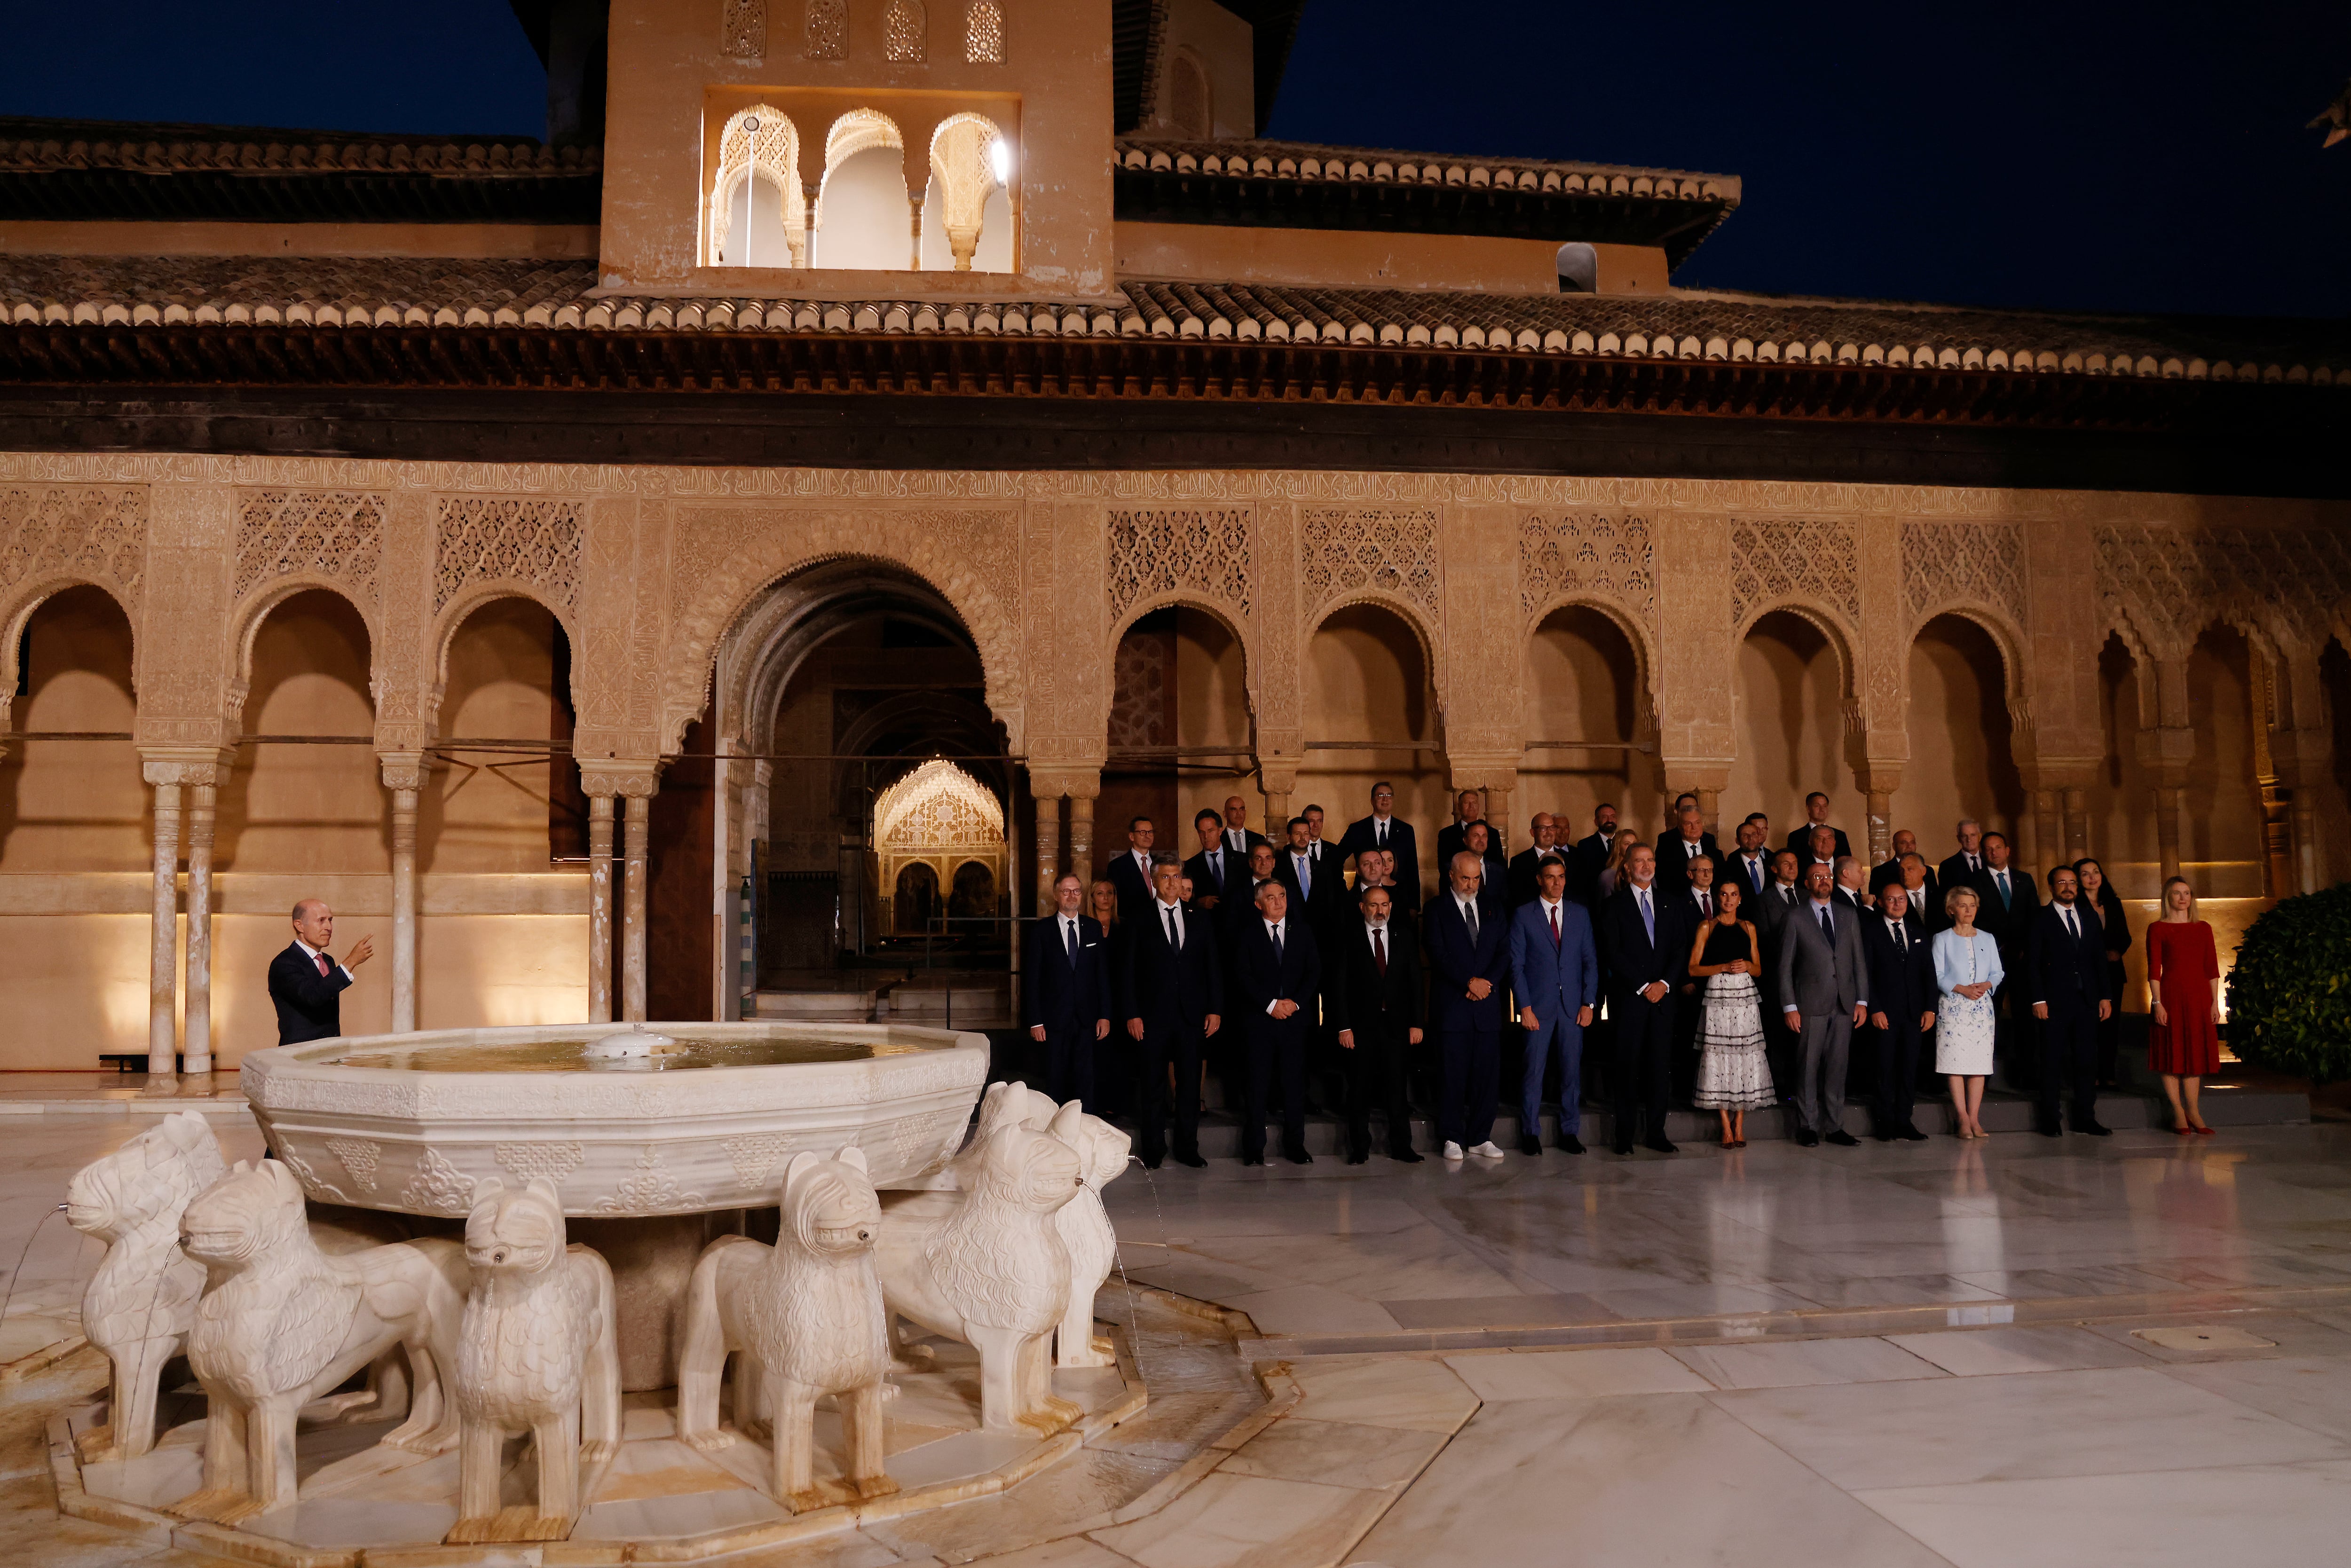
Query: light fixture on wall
x=999 y=161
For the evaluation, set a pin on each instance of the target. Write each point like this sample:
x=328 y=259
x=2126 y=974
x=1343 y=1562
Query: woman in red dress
x=2183 y=971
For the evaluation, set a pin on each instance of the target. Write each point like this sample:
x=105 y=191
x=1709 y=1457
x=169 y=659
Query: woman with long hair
x=1732 y=1075
x=2099 y=893
x=1967 y=972
x=1614 y=870
x=2183 y=973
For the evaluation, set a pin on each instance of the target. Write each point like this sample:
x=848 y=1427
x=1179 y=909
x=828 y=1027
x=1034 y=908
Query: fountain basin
x=409 y=1122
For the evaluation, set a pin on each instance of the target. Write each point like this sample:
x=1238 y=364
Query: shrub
x=2290 y=994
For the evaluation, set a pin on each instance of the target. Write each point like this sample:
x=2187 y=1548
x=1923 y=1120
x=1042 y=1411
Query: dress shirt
x=315 y=955
x=1070 y=935
x=1754 y=873
x=1143 y=864
x=1704 y=898
x=1380 y=830
x=1550 y=914
x=1236 y=840
x=1975 y=863
x=1894 y=928
x=1273 y=930
x=1172 y=914
x=1468 y=908
x=1641 y=897
x=1216 y=865
x=1785 y=891
x=1692 y=848
x=2003 y=888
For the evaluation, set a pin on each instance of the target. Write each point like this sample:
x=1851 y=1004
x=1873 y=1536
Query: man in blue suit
x=1555 y=973
x=1067 y=998
x=1469 y=962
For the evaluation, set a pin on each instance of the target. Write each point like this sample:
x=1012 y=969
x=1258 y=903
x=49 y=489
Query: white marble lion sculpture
x=805 y=1318
x=281 y=1322
x=536 y=1355
x=142 y=1303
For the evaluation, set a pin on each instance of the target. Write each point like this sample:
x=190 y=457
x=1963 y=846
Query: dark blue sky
x=2068 y=153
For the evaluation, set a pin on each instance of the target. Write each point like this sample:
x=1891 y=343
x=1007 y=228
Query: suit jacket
x=1136 y=892
x=1327 y=899
x=2010 y=926
x=1888 y=873
x=1359 y=837
x=2067 y=972
x=1356 y=995
x=1734 y=869
x=1259 y=979
x=1453 y=961
x=1851 y=900
x=1585 y=857
x=1954 y=872
x=1673 y=860
x=1817 y=978
x=1233 y=883
x=1165 y=989
x=1901 y=981
x=1633 y=960
x=1062 y=995
x=1240 y=840
x=1554 y=981
x=1522 y=878
x=1801 y=841
x=1497 y=861
x=309 y=1005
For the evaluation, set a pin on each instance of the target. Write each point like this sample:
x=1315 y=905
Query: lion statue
x=535 y=1354
x=1086 y=1233
x=805 y=1318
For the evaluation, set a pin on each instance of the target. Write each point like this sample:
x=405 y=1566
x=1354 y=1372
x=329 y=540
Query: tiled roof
x=1313 y=161
x=555 y=295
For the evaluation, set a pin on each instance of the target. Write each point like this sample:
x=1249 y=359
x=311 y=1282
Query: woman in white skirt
x=1967 y=970
x=1732 y=1074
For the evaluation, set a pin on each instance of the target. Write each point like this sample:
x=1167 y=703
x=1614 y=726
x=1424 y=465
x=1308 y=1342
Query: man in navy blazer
x=1374 y=1000
x=1067 y=1002
x=1170 y=993
x=1130 y=870
x=307 y=986
x=1469 y=964
x=1902 y=993
x=1217 y=873
x=1385 y=829
x=2067 y=978
x=1816 y=815
x=1555 y=974
x=1645 y=937
x=1277 y=974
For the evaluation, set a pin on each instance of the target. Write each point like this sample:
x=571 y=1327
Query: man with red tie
x=306 y=985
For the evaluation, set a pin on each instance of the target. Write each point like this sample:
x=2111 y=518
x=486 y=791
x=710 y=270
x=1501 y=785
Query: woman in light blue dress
x=1967 y=970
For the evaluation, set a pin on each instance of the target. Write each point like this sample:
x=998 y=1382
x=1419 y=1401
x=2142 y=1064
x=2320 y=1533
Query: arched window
x=743 y=29
x=756 y=216
x=862 y=219
x=968 y=210
x=1191 y=105
x=904 y=31
x=827 y=29
x=983 y=33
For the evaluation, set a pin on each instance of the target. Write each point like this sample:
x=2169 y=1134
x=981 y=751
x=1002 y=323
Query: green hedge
x=2290 y=994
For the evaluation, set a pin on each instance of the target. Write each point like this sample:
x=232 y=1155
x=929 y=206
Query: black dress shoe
x=1570 y=1144
x=1842 y=1139
x=1881 y=1136
x=1252 y=1159
x=1530 y=1144
x=1151 y=1164
x=1192 y=1159
x=2049 y=1129
x=2095 y=1128
x=1359 y=1159
x=1909 y=1134
x=1405 y=1157
x=1807 y=1139
x=1662 y=1143
x=1624 y=1146
x=1298 y=1157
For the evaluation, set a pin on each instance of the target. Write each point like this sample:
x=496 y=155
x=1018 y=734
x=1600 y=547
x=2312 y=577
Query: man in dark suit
x=1216 y=871
x=1783 y=896
x=1918 y=880
x=1850 y=891
x=1819 y=848
x=1239 y=838
x=1644 y=942
x=1902 y=1000
x=2010 y=903
x=1317 y=894
x=1170 y=993
x=1823 y=997
x=2066 y=977
x=1906 y=843
x=1555 y=979
x=1589 y=855
x=1686 y=841
x=1751 y=863
x=1131 y=872
x=1373 y=996
x=1324 y=852
x=1277 y=974
x=1067 y=998
x=1470 y=968
x=1478 y=839
x=306 y=985
x=1468 y=807
x=1385 y=829
x=1962 y=869
x=1544 y=829
x=1816 y=815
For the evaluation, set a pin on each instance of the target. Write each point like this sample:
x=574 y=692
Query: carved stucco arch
x=729 y=589
x=1843 y=641
x=441 y=632
x=1644 y=665
x=28 y=596
x=1224 y=613
x=771 y=640
x=2008 y=641
x=244 y=625
x=1432 y=643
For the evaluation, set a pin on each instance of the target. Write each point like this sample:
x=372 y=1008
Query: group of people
x=1740 y=978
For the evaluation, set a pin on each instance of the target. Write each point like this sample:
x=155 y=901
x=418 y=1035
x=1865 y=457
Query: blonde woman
x=2183 y=972
x=1967 y=971
x=1101 y=903
x=1614 y=870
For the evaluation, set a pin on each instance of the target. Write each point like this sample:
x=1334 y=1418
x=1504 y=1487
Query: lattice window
x=1942 y=563
x=743 y=29
x=905 y=32
x=983 y=33
x=1152 y=553
x=827 y=29
x=1783 y=559
x=1343 y=549
x=295 y=533
x=1587 y=552
x=508 y=538
x=1141 y=689
x=938 y=805
x=98 y=532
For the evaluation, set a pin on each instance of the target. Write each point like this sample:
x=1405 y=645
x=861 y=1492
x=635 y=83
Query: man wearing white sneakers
x=1470 y=965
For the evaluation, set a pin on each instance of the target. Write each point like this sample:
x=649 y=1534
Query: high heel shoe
x=2202 y=1132
x=2183 y=1131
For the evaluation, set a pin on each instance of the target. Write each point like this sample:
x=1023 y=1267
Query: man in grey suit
x=1824 y=997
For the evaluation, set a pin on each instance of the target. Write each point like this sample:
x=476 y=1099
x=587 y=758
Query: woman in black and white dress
x=1732 y=1075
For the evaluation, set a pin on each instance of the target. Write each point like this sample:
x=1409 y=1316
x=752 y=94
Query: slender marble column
x=1049 y=850
x=2171 y=806
x=600 y=908
x=1082 y=835
x=202 y=809
x=164 y=960
x=403 y=775
x=637 y=830
x=2077 y=822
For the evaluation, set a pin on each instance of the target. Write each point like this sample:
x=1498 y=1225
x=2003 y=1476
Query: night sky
x=2067 y=154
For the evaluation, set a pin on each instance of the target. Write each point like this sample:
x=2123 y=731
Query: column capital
x=1695 y=773
x=403 y=769
x=637 y=778
x=1277 y=775
x=1878 y=776
x=1482 y=771
x=201 y=765
x=1078 y=783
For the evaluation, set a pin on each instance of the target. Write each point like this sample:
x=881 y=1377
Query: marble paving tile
x=1237 y=1518
x=1063 y=1499
x=1077 y=1552
x=2223 y=1273
x=1701 y=1301
x=1335 y=1453
x=333 y=1522
x=1496 y=1312
x=1804 y=1363
x=1664 y=1481
x=1382 y=1391
x=1175 y=1426
x=1515 y=1375
x=1311 y=1309
x=685 y=1514
x=2290 y=1333
x=2312 y=1392
x=1217 y=1215
x=1885 y=1290
x=1189 y=1276
x=1183 y=1367
x=1978 y=1353
x=2243 y=1514
x=1421 y=1262
x=1942 y=1431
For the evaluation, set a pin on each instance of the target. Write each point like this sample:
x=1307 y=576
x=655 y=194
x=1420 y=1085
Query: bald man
x=308 y=985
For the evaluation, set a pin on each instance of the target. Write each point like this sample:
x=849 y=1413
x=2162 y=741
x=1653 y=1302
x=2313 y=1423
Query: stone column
x=1049 y=840
x=1707 y=780
x=2048 y=833
x=638 y=832
x=2076 y=804
x=1879 y=781
x=600 y=908
x=2167 y=749
x=204 y=801
x=403 y=775
x=1276 y=782
x=1081 y=832
x=163 y=951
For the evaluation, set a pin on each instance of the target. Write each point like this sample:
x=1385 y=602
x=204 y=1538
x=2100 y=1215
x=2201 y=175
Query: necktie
x=1828 y=925
x=1275 y=932
x=2002 y=878
x=1901 y=942
x=1470 y=918
x=1069 y=937
x=1649 y=915
x=1216 y=867
x=1380 y=835
x=1972 y=866
x=1705 y=905
x=1305 y=875
x=321 y=958
x=1174 y=936
x=1380 y=948
x=2071 y=929
x=1554 y=925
